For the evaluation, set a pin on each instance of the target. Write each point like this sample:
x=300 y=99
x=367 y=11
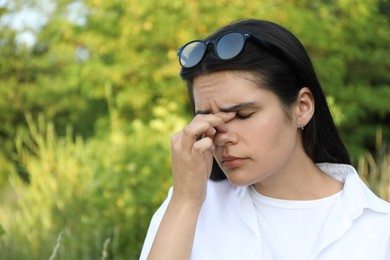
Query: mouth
x=231 y=162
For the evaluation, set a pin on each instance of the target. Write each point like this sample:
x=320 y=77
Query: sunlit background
x=90 y=94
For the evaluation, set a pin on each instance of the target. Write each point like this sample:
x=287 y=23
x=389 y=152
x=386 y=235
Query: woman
x=261 y=172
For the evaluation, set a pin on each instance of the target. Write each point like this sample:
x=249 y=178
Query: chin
x=239 y=181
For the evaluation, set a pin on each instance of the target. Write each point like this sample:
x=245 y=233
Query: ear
x=305 y=106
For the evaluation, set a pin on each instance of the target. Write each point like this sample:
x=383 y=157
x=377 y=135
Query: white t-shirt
x=357 y=227
x=290 y=229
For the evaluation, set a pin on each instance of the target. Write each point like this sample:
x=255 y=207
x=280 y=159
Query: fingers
x=192 y=158
x=204 y=145
x=204 y=126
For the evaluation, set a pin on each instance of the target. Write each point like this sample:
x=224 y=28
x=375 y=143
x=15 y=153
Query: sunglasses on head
x=226 y=47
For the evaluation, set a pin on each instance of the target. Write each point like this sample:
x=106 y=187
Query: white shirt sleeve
x=153 y=227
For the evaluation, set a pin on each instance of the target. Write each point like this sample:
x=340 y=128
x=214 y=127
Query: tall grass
x=94 y=199
x=375 y=171
x=87 y=199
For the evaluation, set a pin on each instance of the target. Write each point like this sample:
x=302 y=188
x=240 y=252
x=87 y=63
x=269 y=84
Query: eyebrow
x=229 y=109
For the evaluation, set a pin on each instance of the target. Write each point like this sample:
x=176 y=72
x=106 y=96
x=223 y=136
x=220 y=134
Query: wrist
x=187 y=203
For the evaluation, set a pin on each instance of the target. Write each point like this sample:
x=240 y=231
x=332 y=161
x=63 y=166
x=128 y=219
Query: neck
x=300 y=179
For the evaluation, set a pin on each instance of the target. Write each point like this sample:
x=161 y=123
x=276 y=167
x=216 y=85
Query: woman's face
x=261 y=140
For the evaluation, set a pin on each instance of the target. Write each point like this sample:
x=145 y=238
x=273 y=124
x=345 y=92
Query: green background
x=87 y=110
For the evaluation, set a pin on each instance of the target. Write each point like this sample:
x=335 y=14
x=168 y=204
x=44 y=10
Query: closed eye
x=243 y=116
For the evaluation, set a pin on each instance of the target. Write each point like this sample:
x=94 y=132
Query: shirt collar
x=354 y=199
x=356 y=195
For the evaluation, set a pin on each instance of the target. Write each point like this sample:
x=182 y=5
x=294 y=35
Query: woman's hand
x=192 y=156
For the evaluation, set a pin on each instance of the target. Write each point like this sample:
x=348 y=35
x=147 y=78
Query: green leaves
x=115 y=81
x=2 y=231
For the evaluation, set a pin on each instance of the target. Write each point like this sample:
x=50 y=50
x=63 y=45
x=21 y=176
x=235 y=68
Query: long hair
x=284 y=69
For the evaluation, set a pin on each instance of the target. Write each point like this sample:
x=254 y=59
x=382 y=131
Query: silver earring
x=301 y=126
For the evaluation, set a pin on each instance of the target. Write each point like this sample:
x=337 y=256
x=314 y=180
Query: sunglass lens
x=230 y=45
x=192 y=54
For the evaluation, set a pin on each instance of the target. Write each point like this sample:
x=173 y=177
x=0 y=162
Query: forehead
x=225 y=89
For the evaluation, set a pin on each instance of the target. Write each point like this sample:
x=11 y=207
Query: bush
x=376 y=171
x=94 y=193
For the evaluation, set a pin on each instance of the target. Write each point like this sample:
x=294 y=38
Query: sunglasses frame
x=215 y=42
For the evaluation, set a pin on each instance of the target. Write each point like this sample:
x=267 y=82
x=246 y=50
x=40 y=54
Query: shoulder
x=356 y=193
x=223 y=186
x=218 y=192
x=222 y=191
x=223 y=198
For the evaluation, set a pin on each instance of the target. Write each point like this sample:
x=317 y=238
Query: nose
x=225 y=138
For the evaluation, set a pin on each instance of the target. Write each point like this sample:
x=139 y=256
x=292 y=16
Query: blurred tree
x=348 y=41
x=109 y=69
x=86 y=48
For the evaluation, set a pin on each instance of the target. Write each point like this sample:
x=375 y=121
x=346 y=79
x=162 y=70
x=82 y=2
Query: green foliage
x=376 y=171
x=104 y=188
x=2 y=231
x=87 y=112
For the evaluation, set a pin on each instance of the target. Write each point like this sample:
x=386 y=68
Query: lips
x=232 y=161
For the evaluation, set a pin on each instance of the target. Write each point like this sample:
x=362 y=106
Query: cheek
x=272 y=131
